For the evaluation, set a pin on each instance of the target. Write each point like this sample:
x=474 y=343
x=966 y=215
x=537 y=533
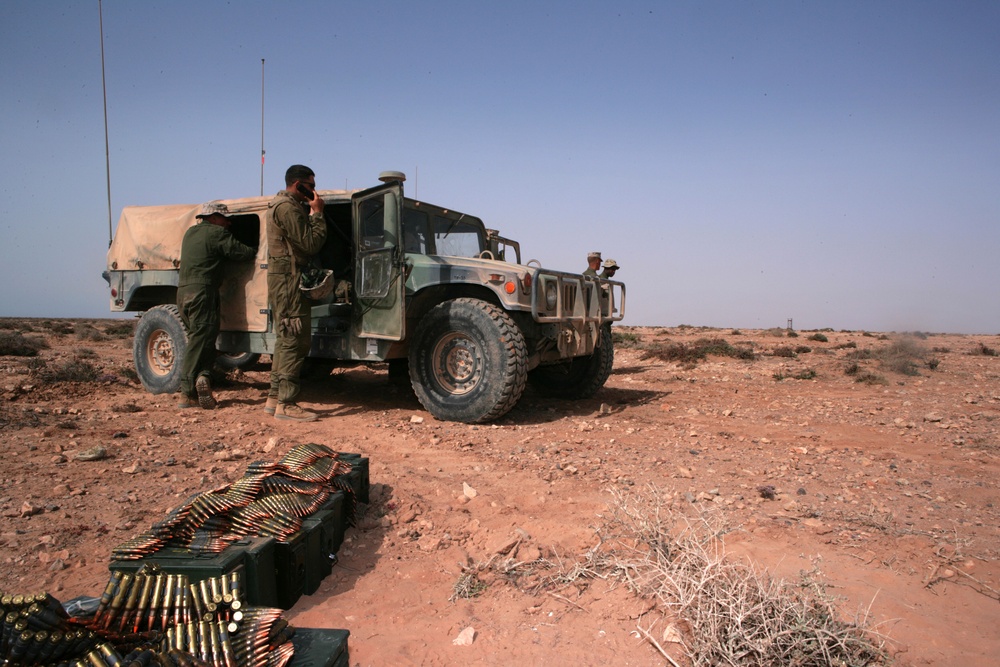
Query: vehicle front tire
x=579 y=377
x=468 y=361
x=158 y=349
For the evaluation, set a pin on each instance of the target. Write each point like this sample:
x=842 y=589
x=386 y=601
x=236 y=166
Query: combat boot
x=186 y=402
x=293 y=412
x=271 y=405
x=204 y=387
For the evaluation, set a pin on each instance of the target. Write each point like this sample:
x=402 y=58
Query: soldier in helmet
x=593 y=263
x=610 y=267
x=205 y=247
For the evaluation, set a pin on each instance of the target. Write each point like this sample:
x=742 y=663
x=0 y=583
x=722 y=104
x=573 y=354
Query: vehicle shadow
x=361 y=390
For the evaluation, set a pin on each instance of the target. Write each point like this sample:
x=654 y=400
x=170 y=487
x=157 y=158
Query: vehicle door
x=378 y=275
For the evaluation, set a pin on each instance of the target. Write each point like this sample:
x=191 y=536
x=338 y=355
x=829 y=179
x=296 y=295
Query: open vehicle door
x=378 y=274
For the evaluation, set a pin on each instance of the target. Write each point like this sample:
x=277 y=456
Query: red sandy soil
x=888 y=490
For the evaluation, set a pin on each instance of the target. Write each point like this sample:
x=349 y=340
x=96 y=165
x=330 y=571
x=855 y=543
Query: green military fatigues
x=203 y=250
x=292 y=239
x=590 y=272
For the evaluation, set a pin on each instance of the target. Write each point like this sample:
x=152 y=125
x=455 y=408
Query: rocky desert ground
x=860 y=466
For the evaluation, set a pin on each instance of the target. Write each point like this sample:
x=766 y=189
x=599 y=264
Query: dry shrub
x=74 y=370
x=903 y=355
x=723 y=611
x=783 y=351
x=16 y=344
x=58 y=327
x=819 y=338
x=625 y=340
x=728 y=612
x=982 y=349
x=691 y=353
x=121 y=329
x=87 y=332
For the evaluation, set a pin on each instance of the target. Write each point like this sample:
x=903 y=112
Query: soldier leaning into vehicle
x=610 y=267
x=205 y=247
x=593 y=263
x=292 y=239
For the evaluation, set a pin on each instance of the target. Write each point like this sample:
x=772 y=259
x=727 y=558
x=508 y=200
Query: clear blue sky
x=837 y=163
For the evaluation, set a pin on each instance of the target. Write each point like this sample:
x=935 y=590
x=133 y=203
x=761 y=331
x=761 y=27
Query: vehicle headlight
x=551 y=296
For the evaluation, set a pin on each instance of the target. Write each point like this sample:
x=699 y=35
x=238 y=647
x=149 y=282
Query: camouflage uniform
x=203 y=250
x=592 y=256
x=292 y=238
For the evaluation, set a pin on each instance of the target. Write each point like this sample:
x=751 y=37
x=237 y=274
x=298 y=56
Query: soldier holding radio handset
x=293 y=238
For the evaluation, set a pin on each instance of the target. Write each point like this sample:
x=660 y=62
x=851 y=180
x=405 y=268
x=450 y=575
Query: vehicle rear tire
x=580 y=377
x=158 y=349
x=231 y=361
x=468 y=361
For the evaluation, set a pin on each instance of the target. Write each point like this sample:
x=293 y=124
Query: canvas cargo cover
x=153 y=234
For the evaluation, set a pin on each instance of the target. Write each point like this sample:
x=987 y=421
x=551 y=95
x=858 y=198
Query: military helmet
x=317 y=284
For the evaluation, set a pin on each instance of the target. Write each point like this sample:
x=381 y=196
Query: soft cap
x=211 y=208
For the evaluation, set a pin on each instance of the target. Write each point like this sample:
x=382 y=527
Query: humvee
x=433 y=292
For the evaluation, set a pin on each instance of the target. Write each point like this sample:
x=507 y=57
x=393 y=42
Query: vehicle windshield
x=430 y=230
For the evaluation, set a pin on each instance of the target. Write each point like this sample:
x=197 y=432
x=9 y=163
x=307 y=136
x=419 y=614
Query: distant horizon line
x=135 y=315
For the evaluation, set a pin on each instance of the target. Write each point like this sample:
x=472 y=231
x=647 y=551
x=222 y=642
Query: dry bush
x=982 y=349
x=85 y=331
x=698 y=350
x=15 y=344
x=58 y=327
x=69 y=371
x=23 y=326
x=903 y=355
x=727 y=612
x=804 y=374
x=819 y=338
x=625 y=340
x=783 y=351
x=722 y=611
x=121 y=329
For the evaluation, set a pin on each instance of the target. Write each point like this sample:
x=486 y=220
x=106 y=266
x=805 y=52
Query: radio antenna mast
x=107 y=152
x=261 y=127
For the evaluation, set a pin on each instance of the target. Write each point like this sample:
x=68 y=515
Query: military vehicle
x=433 y=292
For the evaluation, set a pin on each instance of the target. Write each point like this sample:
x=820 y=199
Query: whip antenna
x=261 y=127
x=107 y=152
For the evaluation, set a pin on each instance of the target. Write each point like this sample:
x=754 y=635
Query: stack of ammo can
x=281 y=524
x=152 y=619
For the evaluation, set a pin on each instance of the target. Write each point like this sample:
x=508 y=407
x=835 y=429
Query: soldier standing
x=204 y=248
x=610 y=268
x=593 y=263
x=292 y=239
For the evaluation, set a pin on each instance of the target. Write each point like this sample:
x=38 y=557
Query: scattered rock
x=96 y=453
x=416 y=419
x=468 y=491
x=465 y=637
x=767 y=491
x=30 y=509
